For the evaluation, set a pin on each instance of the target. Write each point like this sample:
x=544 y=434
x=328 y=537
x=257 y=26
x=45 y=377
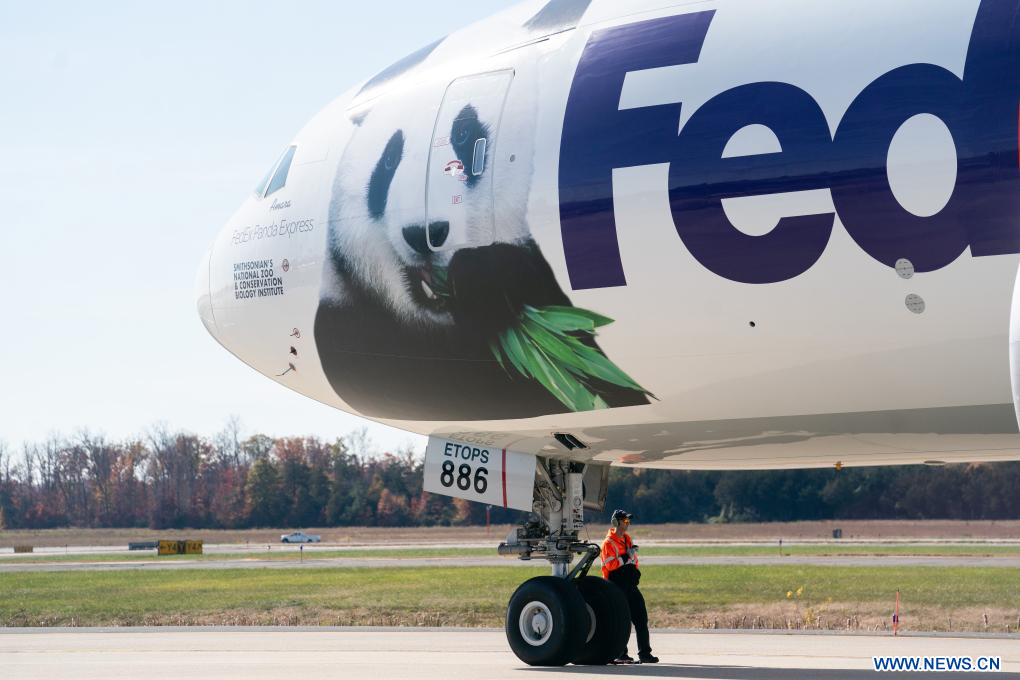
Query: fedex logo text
x=980 y=110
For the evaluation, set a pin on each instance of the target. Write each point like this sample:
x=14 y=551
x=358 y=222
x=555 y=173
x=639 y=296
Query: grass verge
x=788 y=531
x=934 y=598
x=827 y=550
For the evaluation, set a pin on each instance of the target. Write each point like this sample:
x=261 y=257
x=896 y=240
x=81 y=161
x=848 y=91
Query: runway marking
x=310 y=561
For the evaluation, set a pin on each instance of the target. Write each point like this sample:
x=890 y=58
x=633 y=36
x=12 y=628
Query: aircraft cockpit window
x=478 y=158
x=280 y=176
x=276 y=178
x=260 y=189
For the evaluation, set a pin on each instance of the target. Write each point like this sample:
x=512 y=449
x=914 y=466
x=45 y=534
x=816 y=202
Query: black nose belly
x=418 y=240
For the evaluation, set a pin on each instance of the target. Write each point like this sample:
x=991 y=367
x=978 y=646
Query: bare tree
x=227 y=442
x=358 y=443
x=100 y=460
x=5 y=463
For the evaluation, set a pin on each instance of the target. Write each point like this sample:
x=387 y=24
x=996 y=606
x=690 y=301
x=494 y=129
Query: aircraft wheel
x=609 y=615
x=547 y=621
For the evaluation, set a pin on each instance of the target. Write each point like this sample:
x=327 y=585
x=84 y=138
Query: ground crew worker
x=620 y=565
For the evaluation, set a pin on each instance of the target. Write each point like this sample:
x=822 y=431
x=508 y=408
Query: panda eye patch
x=467 y=129
x=382 y=176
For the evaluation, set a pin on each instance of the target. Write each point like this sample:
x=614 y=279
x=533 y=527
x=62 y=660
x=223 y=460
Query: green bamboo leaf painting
x=577 y=312
x=559 y=322
x=568 y=390
x=497 y=352
x=514 y=351
x=547 y=345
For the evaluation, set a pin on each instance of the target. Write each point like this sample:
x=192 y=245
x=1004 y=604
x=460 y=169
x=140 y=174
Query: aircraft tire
x=607 y=636
x=547 y=621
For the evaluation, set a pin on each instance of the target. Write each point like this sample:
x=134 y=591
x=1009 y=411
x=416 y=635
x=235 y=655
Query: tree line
x=174 y=479
x=963 y=491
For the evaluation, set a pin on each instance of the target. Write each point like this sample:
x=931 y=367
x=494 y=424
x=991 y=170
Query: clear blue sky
x=129 y=132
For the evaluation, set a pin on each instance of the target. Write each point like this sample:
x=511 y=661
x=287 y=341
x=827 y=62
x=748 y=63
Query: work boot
x=648 y=658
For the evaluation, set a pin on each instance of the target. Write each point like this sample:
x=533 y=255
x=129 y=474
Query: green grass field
x=785 y=596
x=820 y=550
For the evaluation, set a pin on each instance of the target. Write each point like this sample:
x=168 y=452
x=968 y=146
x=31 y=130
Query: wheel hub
x=536 y=623
x=592 y=624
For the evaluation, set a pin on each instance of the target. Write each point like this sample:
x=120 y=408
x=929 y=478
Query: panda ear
x=359 y=116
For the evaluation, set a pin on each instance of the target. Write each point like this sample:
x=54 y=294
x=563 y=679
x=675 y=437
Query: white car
x=300 y=537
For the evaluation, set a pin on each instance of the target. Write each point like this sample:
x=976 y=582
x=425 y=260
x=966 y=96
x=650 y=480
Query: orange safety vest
x=613 y=549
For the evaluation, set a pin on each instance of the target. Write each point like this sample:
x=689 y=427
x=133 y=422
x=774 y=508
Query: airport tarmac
x=426 y=654
x=309 y=561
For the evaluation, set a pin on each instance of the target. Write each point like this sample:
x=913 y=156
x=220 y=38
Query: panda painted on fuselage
x=405 y=330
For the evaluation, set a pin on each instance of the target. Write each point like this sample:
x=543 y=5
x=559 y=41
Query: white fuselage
x=810 y=341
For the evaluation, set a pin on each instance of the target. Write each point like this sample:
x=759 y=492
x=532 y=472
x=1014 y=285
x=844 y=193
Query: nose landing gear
x=543 y=621
x=610 y=615
x=569 y=617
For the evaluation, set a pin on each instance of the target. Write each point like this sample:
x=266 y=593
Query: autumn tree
x=263 y=494
x=171 y=478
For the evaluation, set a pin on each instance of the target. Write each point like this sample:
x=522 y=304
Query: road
x=11 y=565
x=261 y=548
x=382 y=654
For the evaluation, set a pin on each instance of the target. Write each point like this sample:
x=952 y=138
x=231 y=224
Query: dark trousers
x=639 y=617
x=626 y=578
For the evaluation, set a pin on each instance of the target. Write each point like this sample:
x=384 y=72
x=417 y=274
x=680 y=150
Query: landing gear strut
x=569 y=617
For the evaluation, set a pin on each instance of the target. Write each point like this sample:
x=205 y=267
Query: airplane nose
x=203 y=295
